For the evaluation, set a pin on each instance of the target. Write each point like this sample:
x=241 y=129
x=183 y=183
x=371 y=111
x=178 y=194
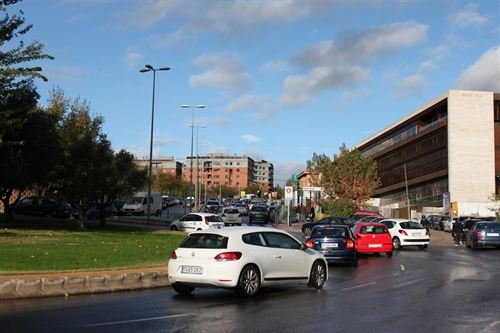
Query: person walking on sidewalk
x=457 y=232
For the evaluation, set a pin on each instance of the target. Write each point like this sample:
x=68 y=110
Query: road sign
x=288 y=192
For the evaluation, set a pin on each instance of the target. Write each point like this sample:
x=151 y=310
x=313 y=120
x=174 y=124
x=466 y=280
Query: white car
x=197 y=221
x=230 y=215
x=244 y=259
x=406 y=233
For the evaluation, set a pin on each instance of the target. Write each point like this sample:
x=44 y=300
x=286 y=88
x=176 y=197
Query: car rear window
x=214 y=218
x=231 y=211
x=329 y=232
x=204 y=241
x=411 y=225
x=259 y=209
x=373 y=229
x=489 y=226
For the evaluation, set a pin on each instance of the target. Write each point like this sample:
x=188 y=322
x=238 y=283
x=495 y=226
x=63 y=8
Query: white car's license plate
x=492 y=234
x=329 y=245
x=416 y=234
x=374 y=245
x=191 y=269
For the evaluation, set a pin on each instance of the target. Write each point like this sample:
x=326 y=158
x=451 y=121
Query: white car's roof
x=239 y=230
x=397 y=220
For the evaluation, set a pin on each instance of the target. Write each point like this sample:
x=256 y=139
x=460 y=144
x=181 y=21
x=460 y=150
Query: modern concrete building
x=443 y=158
x=263 y=175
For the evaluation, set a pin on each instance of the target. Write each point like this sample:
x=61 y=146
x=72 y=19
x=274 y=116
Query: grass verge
x=49 y=245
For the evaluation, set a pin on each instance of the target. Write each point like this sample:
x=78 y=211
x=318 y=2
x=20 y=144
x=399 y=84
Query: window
x=204 y=241
x=254 y=239
x=279 y=240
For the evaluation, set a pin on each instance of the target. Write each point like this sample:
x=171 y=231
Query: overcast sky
x=280 y=79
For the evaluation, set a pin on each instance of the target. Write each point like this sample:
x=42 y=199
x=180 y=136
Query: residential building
x=162 y=165
x=215 y=170
x=442 y=158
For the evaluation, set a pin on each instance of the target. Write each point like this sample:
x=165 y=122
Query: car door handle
x=277 y=256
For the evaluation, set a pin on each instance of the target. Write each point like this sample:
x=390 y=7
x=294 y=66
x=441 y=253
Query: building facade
x=162 y=165
x=263 y=175
x=442 y=158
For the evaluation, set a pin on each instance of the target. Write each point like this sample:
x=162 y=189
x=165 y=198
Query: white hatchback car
x=231 y=215
x=197 y=221
x=405 y=233
x=244 y=259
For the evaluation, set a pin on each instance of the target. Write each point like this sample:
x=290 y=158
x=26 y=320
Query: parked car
x=231 y=216
x=372 y=238
x=92 y=212
x=197 y=221
x=483 y=234
x=244 y=259
x=336 y=242
x=43 y=206
x=242 y=208
x=308 y=226
x=138 y=204
x=357 y=215
x=435 y=222
x=258 y=214
x=407 y=233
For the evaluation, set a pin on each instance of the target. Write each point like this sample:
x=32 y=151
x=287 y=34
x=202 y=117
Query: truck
x=138 y=204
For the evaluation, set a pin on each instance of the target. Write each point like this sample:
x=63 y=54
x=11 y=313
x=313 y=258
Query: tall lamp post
x=197 y=194
x=149 y=68
x=192 y=107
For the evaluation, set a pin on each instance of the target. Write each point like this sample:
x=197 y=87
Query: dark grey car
x=258 y=214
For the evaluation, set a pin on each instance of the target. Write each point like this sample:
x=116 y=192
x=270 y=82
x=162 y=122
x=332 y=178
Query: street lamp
x=149 y=68
x=197 y=195
x=192 y=107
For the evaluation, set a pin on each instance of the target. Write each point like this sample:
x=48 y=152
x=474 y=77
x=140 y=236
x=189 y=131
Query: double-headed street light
x=192 y=107
x=149 y=68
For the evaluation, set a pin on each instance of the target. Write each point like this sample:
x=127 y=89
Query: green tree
x=348 y=179
x=28 y=140
x=91 y=171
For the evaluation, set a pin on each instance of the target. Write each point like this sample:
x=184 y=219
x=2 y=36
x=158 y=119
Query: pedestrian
x=312 y=214
x=457 y=232
x=425 y=223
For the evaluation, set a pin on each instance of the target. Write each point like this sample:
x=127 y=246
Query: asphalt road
x=438 y=290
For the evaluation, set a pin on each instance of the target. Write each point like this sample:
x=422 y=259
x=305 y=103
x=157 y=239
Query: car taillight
x=206 y=220
x=173 y=255
x=480 y=233
x=228 y=256
x=403 y=232
x=310 y=243
x=349 y=244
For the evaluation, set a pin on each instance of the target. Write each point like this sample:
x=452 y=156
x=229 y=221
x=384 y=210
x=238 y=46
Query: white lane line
x=359 y=286
x=402 y=267
x=490 y=327
x=407 y=283
x=109 y=323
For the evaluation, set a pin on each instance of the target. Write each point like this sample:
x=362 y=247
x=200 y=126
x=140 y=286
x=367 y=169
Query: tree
x=170 y=184
x=28 y=140
x=91 y=173
x=349 y=179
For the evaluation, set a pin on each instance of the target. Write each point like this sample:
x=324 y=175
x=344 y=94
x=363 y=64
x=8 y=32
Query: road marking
x=109 y=323
x=490 y=327
x=402 y=267
x=359 y=286
x=407 y=283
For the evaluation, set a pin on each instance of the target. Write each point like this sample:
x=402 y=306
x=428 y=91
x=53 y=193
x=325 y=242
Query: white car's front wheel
x=318 y=275
x=249 y=281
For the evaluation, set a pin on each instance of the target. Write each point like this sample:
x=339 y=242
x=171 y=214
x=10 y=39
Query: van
x=138 y=204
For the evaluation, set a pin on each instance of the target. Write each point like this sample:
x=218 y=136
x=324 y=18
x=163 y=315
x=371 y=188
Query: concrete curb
x=16 y=288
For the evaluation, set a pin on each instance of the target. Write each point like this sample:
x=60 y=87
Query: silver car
x=231 y=216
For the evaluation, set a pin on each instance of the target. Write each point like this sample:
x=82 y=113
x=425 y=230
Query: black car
x=308 y=226
x=335 y=242
x=483 y=234
x=42 y=206
x=258 y=214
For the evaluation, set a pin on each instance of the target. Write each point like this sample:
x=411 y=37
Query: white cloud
x=133 y=59
x=410 y=85
x=283 y=170
x=221 y=71
x=256 y=104
x=342 y=63
x=468 y=16
x=224 y=17
x=250 y=138
x=276 y=66
x=484 y=74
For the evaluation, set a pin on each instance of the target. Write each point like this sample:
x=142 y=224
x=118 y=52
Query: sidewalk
x=73 y=283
